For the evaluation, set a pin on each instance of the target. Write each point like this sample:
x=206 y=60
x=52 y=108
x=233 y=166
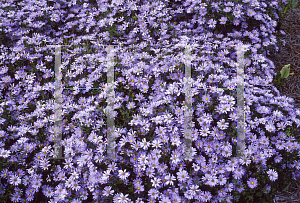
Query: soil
x=290 y=54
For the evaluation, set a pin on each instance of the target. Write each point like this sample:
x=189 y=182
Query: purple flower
x=126 y=98
x=123 y=174
x=206 y=98
x=212 y=23
x=15 y=180
x=239 y=186
x=139 y=188
x=76 y=200
x=36 y=184
x=121 y=198
x=15 y=197
x=238 y=173
x=236 y=22
x=3 y=152
x=188 y=194
x=273 y=175
x=170 y=179
x=223 y=20
x=206 y=196
x=252 y=183
x=130 y=105
x=165 y=199
x=156 y=182
x=258 y=16
x=250 y=12
x=227 y=9
x=182 y=175
x=212 y=181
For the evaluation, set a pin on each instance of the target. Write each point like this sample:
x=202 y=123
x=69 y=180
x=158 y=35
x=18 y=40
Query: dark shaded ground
x=290 y=54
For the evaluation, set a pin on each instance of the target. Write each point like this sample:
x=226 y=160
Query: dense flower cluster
x=149 y=87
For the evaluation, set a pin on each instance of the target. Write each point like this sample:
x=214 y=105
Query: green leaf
x=285 y=71
x=285 y=9
x=293 y=4
x=287 y=187
x=282 y=75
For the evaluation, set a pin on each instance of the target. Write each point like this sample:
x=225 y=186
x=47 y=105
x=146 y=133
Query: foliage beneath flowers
x=282 y=75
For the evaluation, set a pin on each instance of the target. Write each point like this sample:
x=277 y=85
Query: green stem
x=290 y=21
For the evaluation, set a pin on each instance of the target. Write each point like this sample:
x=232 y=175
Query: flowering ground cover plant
x=149 y=75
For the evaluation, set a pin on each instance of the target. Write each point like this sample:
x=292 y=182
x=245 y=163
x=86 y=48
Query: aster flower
x=236 y=22
x=189 y=194
x=123 y=174
x=123 y=198
x=160 y=131
x=36 y=184
x=212 y=23
x=135 y=144
x=194 y=189
x=143 y=159
x=82 y=161
x=250 y=12
x=237 y=13
x=182 y=175
x=153 y=193
x=139 y=188
x=69 y=182
x=145 y=88
x=4 y=153
x=227 y=153
x=44 y=164
x=170 y=179
x=223 y=20
x=206 y=196
x=222 y=124
x=15 y=197
x=206 y=98
x=165 y=199
x=239 y=172
x=204 y=131
x=68 y=163
x=212 y=181
x=227 y=9
x=144 y=144
x=273 y=175
x=252 y=183
x=75 y=185
x=15 y=180
x=270 y=127
x=176 y=141
x=150 y=172
x=156 y=182
x=30 y=196
x=139 y=97
x=201 y=20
